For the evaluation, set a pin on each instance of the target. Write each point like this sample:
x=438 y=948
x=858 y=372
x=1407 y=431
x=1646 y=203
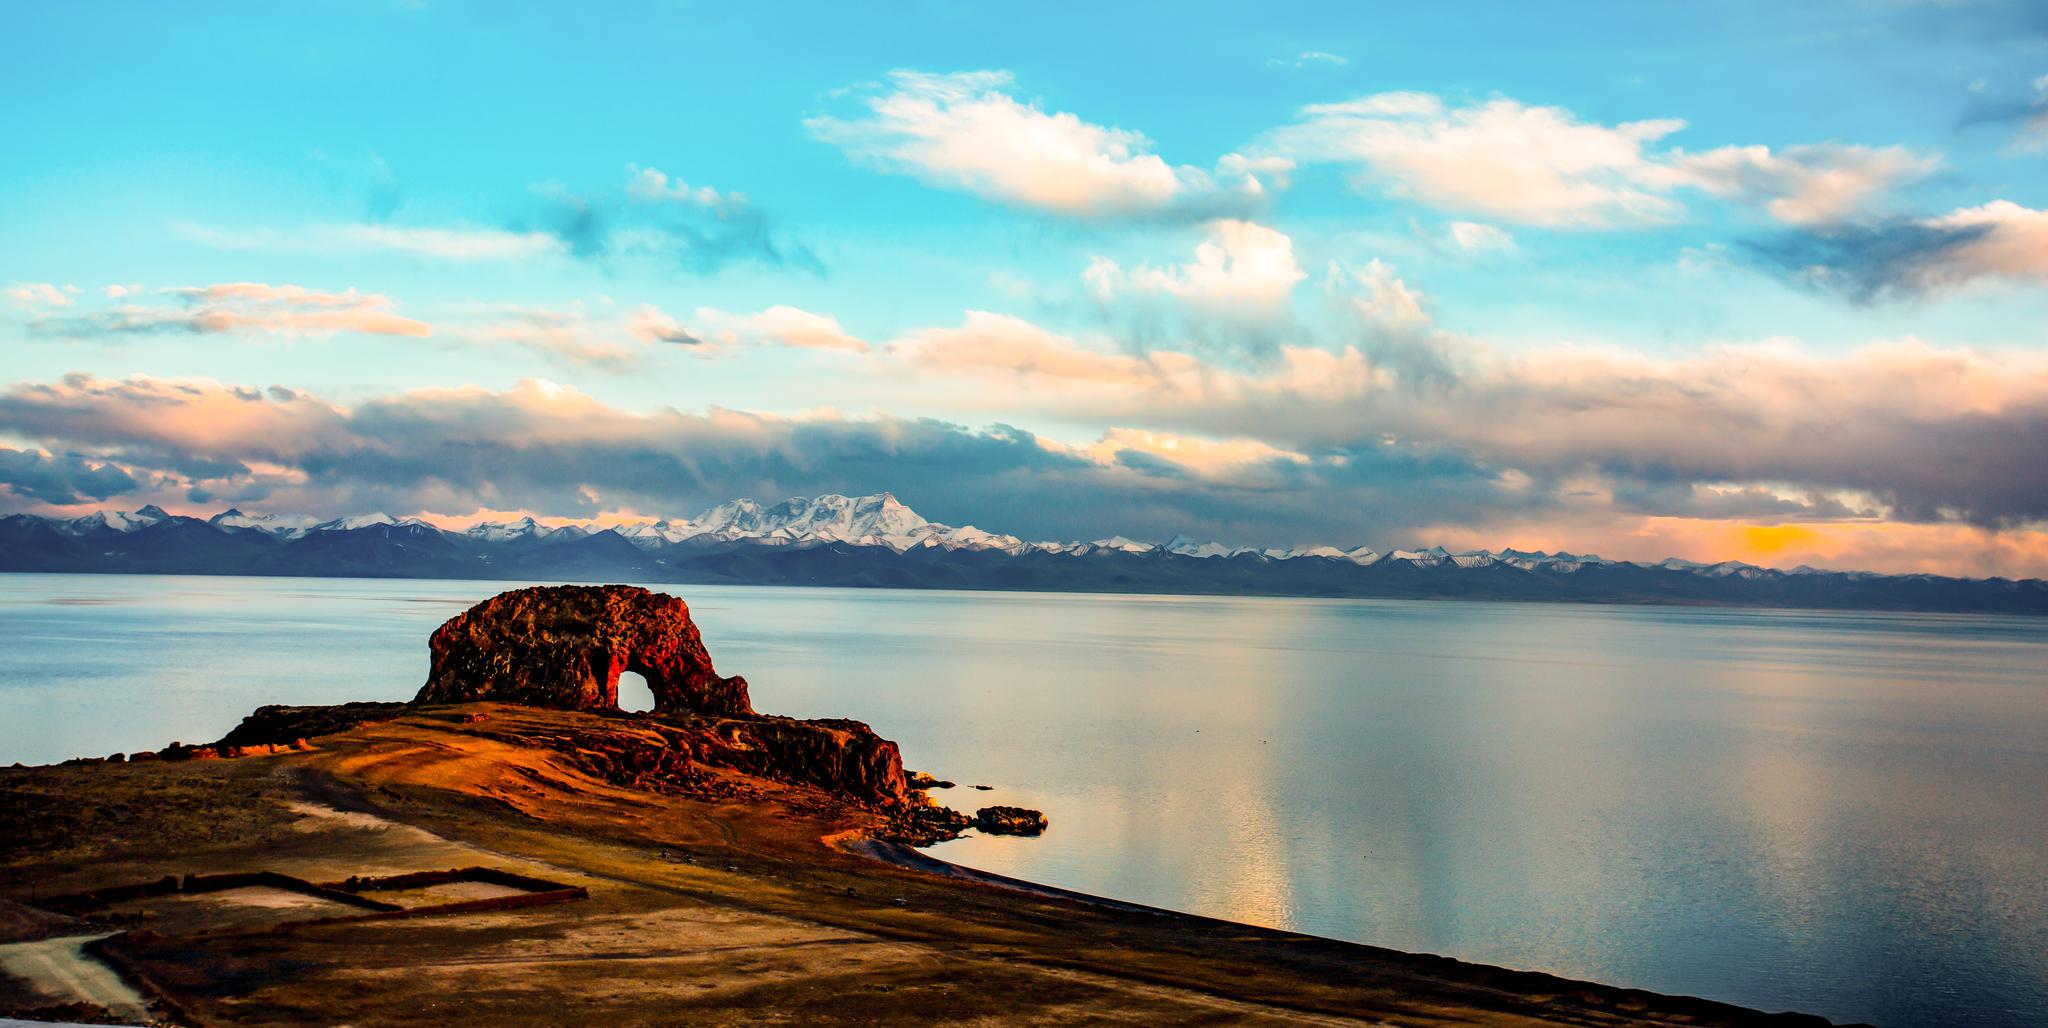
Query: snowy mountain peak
x=1122 y=544
x=738 y=517
x=114 y=520
x=660 y=533
x=290 y=526
x=880 y=519
x=503 y=531
x=1186 y=546
x=355 y=521
x=1319 y=552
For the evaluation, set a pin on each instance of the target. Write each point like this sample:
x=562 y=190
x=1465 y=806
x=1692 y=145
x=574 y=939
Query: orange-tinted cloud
x=242 y=307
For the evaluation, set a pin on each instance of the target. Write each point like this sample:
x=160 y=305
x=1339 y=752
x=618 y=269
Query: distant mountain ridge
x=878 y=541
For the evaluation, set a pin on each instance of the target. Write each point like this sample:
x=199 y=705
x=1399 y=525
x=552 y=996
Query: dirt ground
x=698 y=911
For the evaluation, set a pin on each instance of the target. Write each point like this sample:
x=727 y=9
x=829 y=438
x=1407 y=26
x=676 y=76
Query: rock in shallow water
x=921 y=780
x=1009 y=821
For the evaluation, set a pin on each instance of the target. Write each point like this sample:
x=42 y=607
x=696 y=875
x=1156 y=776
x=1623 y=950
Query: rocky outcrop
x=564 y=647
x=842 y=755
x=278 y=725
x=844 y=758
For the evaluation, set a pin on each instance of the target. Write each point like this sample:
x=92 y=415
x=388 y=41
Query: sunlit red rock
x=564 y=647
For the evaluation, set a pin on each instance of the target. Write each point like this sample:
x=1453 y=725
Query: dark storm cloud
x=60 y=479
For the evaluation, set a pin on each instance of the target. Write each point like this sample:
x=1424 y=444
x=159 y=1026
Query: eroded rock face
x=844 y=758
x=564 y=647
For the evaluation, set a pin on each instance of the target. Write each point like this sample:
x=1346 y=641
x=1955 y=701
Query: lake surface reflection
x=1845 y=814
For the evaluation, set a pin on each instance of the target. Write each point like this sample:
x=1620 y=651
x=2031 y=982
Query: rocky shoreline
x=703 y=863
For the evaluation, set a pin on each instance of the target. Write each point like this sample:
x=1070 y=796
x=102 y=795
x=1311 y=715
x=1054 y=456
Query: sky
x=1720 y=281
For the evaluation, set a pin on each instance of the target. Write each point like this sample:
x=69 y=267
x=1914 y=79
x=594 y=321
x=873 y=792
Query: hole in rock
x=634 y=695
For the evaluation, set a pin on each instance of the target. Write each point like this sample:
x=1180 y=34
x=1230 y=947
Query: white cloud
x=779 y=325
x=1387 y=321
x=1235 y=460
x=654 y=184
x=1477 y=237
x=652 y=324
x=1382 y=297
x=987 y=343
x=963 y=130
x=713 y=329
x=1542 y=166
x=284 y=295
x=569 y=332
x=36 y=295
x=602 y=340
x=1803 y=185
x=241 y=307
x=2000 y=239
x=1242 y=271
x=1310 y=59
x=1530 y=165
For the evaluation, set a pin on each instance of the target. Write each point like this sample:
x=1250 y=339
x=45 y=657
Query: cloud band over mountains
x=1314 y=450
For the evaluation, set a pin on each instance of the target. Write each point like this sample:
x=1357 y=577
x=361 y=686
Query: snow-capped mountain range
x=880 y=520
x=877 y=541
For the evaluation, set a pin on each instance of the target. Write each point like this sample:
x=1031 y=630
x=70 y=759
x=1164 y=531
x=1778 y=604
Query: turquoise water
x=1845 y=814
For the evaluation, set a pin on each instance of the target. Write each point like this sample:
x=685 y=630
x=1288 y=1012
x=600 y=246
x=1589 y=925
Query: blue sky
x=1725 y=279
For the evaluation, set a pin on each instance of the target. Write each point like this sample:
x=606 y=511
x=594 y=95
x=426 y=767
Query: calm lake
x=1845 y=814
